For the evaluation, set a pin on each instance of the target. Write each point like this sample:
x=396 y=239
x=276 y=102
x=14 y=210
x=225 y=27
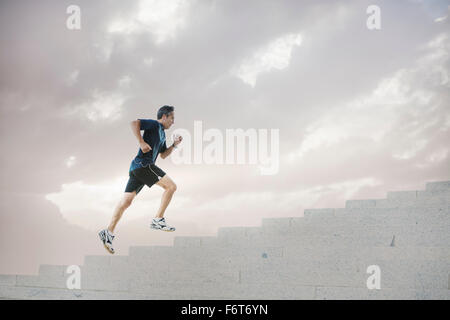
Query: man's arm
x=167 y=153
x=169 y=150
x=136 y=128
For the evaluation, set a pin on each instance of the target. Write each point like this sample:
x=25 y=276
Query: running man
x=143 y=171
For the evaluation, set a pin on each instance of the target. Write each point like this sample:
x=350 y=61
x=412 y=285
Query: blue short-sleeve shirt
x=155 y=136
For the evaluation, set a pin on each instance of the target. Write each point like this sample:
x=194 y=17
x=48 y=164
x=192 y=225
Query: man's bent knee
x=172 y=187
x=167 y=184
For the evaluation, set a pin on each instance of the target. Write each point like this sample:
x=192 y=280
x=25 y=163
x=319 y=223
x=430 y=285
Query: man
x=143 y=171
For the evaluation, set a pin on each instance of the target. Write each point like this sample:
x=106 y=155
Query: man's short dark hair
x=165 y=110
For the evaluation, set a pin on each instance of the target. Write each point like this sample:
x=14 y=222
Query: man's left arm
x=169 y=150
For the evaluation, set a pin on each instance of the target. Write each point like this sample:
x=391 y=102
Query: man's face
x=169 y=120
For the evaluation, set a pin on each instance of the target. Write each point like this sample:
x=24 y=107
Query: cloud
x=71 y=161
x=161 y=18
x=32 y=232
x=124 y=82
x=250 y=207
x=103 y=49
x=434 y=158
x=91 y=205
x=275 y=55
x=101 y=106
x=73 y=78
x=410 y=93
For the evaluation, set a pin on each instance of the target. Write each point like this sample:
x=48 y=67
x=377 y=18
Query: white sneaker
x=107 y=239
x=160 y=224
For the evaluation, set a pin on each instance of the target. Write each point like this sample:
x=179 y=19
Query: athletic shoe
x=160 y=224
x=107 y=239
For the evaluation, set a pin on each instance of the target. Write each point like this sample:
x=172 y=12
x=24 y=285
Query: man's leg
x=169 y=189
x=124 y=203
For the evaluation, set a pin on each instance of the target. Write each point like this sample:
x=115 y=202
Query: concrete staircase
x=323 y=255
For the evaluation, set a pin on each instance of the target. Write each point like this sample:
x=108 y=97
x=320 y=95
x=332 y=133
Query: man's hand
x=177 y=139
x=145 y=147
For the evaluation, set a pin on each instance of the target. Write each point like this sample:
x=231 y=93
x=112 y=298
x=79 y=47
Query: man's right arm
x=136 y=128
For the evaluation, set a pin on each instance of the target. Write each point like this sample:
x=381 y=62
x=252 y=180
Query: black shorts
x=147 y=175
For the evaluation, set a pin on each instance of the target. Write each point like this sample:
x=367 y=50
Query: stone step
x=345 y=272
x=237 y=231
x=98 y=260
x=40 y=293
x=393 y=274
x=277 y=290
x=52 y=276
x=144 y=254
x=208 y=291
x=192 y=264
x=438 y=185
x=417 y=194
x=424 y=201
x=193 y=241
x=438 y=212
x=7 y=280
x=354 y=229
x=143 y=276
x=144 y=282
x=402 y=195
x=321 y=223
x=241 y=253
x=348 y=293
x=105 y=278
x=195 y=259
x=200 y=253
x=329 y=220
x=230 y=290
x=263 y=291
x=351 y=228
x=441 y=254
x=56 y=276
x=377 y=239
x=348 y=270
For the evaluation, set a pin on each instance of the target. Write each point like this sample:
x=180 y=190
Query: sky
x=358 y=111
